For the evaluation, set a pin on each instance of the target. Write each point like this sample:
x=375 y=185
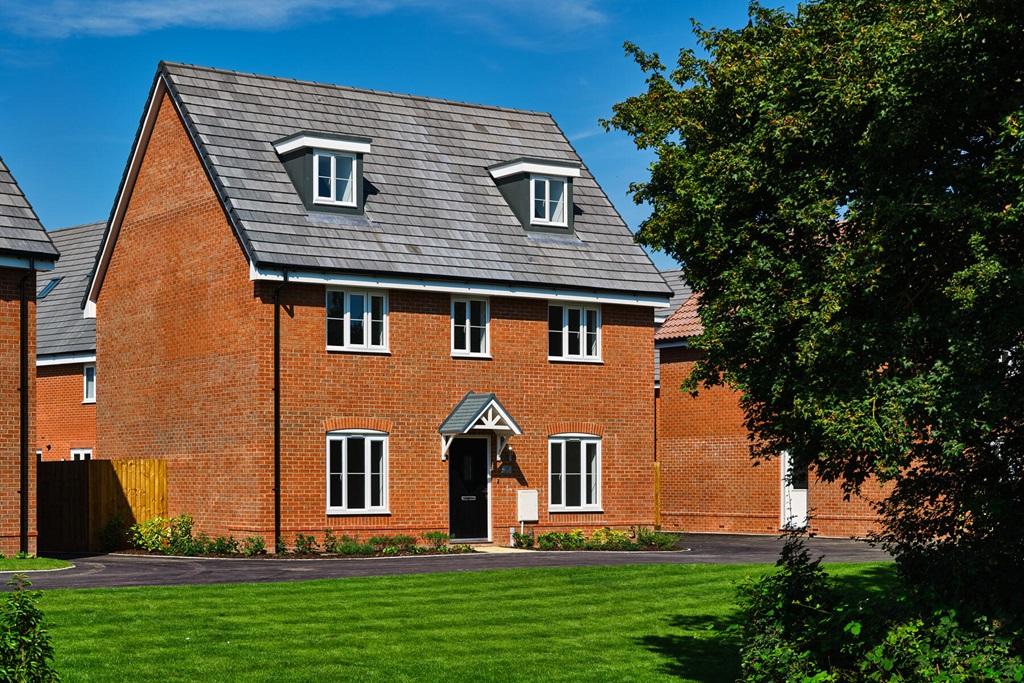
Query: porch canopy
x=478 y=413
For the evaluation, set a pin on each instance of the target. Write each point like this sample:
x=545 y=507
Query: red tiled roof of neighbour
x=682 y=324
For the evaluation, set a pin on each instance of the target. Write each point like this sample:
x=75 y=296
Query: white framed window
x=334 y=178
x=357 y=320
x=548 y=201
x=471 y=327
x=81 y=454
x=574 y=332
x=89 y=383
x=574 y=473
x=357 y=472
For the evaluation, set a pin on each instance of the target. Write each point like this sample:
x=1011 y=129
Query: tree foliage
x=845 y=187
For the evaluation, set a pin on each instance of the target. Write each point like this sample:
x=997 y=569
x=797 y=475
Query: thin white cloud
x=66 y=18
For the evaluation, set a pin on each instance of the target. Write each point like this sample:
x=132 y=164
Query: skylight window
x=48 y=287
x=335 y=178
x=547 y=199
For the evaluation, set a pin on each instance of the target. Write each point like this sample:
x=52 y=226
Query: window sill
x=572 y=511
x=547 y=224
x=336 y=512
x=89 y=401
x=560 y=359
x=471 y=356
x=370 y=352
x=331 y=202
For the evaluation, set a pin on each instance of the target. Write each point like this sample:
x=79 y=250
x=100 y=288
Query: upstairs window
x=470 y=327
x=574 y=333
x=357 y=320
x=89 y=383
x=547 y=199
x=334 y=179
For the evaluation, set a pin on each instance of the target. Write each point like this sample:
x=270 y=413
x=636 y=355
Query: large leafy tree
x=845 y=187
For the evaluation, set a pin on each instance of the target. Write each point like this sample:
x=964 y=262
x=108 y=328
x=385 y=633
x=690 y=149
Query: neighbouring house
x=708 y=481
x=66 y=350
x=25 y=249
x=327 y=307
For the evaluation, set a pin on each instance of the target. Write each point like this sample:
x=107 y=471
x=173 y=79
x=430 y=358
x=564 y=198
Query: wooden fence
x=76 y=500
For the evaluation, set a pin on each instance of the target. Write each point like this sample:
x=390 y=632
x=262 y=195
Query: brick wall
x=178 y=347
x=63 y=421
x=184 y=341
x=709 y=482
x=10 y=410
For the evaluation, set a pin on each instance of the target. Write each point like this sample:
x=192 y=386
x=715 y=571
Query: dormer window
x=335 y=178
x=547 y=197
x=539 y=192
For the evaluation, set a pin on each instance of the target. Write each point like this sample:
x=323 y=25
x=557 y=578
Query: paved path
x=105 y=571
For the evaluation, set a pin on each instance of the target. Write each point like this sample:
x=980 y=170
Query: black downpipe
x=24 y=484
x=277 y=413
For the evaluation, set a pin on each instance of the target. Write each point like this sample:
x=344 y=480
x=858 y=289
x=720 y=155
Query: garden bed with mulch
x=636 y=539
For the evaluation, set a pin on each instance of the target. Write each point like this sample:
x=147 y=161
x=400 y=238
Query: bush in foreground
x=26 y=653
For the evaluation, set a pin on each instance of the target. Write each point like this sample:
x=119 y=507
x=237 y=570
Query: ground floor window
x=574 y=465
x=80 y=454
x=357 y=472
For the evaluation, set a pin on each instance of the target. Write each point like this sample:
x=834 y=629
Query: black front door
x=467 y=488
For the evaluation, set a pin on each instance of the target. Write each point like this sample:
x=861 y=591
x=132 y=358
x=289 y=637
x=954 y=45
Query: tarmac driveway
x=107 y=571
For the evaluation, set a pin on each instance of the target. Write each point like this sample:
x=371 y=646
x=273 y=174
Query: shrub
x=150 y=534
x=349 y=546
x=114 y=534
x=522 y=540
x=279 y=546
x=223 y=546
x=400 y=543
x=305 y=545
x=570 y=540
x=330 y=541
x=179 y=536
x=648 y=538
x=26 y=653
x=437 y=539
x=609 y=539
x=549 y=541
x=252 y=546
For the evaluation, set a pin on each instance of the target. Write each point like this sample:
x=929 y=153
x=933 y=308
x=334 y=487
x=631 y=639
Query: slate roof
x=60 y=327
x=433 y=209
x=466 y=412
x=21 y=233
x=682 y=324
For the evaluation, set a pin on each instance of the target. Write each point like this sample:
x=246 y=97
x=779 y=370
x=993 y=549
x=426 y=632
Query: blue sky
x=74 y=75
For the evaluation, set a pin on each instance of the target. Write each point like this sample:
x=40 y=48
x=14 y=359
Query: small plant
x=22 y=555
x=438 y=540
x=26 y=653
x=522 y=540
x=609 y=539
x=253 y=546
x=648 y=538
x=279 y=546
x=330 y=541
x=401 y=543
x=150 y=534
x=305 y=545
x=349 y=546
x=223 y=546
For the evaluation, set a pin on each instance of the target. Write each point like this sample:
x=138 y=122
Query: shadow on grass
x=707 y=649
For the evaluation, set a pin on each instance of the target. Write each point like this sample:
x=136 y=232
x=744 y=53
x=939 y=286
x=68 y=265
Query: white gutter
x=64 y=359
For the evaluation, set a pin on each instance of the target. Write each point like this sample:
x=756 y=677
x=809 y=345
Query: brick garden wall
x=709 y=482
x=10 y=410
x=63 y=421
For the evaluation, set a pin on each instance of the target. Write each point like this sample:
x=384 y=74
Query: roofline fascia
x=161 y=86
x=565 y=169
x=37 y=263
x=453 y=287
x=43 y=360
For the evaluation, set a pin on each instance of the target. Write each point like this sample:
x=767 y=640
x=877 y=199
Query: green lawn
x=10 y=564
x=611 y=623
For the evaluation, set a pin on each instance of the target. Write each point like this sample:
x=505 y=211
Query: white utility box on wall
x=527 y=499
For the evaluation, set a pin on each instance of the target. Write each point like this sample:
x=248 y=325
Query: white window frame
x=343 y=436
x=333 y=199
x=485 y=352
x=584 y=439
x=347 y=345
x=547 y=201
x=81 y=454
x=86 y=398
x=582 y=356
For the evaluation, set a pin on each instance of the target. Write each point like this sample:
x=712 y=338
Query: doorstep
x=490 y=548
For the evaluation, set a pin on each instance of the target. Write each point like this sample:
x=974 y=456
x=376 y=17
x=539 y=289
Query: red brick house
x=376 y=313
x=66 y=350
x=708 y=481
x=25 y=249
